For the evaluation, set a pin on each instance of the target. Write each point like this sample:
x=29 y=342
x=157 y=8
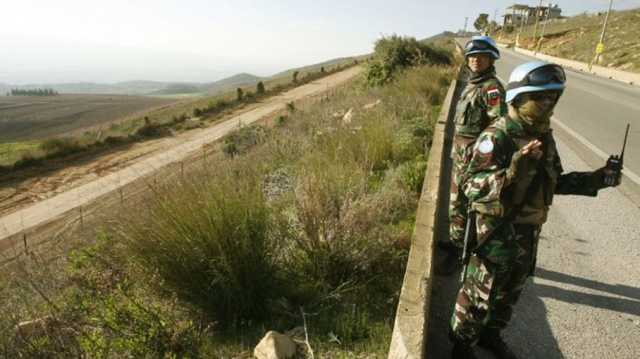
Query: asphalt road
x=595 y=109
x=584 y=301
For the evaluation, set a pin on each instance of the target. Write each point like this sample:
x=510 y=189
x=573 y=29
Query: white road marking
x=635 y=178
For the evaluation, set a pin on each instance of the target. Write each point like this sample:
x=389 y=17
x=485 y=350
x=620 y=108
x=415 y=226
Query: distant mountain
x=440 y=36
x=239 y=80
x=158 y=88
x=120 y=88
x=150 y=88
x=316 y=67
x=179 y=88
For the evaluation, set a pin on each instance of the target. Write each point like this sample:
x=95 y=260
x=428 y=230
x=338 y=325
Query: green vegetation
x=576 y=37
x=310 y=220
x=33 y=92
x=157 y=123
x=394 y=53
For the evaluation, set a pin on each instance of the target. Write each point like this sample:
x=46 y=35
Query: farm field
x=28 y=118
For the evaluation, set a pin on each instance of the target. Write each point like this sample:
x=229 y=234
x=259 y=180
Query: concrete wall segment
x=409 y=338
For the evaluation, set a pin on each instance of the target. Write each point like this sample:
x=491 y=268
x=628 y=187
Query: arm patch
x=493 y=96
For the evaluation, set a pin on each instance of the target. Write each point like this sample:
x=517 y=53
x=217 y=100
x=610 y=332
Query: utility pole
x=495 y=20
x=466 y=21
x=535 y=28
x=600 y=45
x=522 y=21
x=544 y=28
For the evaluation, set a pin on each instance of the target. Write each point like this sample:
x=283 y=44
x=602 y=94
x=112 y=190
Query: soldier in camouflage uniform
x=480 y=104
x=512 y=176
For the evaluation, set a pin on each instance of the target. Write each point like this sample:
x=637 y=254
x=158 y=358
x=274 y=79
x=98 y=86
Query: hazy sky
x=196 y=40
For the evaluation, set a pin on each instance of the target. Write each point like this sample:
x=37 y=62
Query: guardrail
x=409 y=338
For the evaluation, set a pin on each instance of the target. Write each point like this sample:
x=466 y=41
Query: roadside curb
x=409 y=338
x=600 y=71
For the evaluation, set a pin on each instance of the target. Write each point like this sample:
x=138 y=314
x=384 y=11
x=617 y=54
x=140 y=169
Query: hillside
x=158 y=88
x=239 y=80
x=318 y=66
x=575 y=38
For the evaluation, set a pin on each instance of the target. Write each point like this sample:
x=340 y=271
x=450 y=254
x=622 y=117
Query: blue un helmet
x=534 y=77
x=482 y=45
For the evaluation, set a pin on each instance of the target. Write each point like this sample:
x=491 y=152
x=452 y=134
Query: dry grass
x=575 y=38
x=314 y=213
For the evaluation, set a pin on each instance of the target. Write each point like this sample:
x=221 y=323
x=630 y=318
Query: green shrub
x=260 y=88
x=281 y=120
x=212 y=244
x=394 y=53
x=60 y=146
x=241 y=140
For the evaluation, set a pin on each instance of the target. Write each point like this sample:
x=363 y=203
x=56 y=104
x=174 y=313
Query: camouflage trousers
x=458 y=202
x=496 y=276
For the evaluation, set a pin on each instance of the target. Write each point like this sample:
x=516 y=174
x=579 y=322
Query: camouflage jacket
x=480 y=104
x=498 y=196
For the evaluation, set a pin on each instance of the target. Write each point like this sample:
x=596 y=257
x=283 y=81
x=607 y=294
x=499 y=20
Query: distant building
x=517 y=14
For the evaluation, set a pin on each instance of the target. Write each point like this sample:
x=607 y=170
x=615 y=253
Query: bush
x=395 y=53
x=240 y=141
x=150 y=129
x=60 y=146
x=260 y=88
x=211 y=243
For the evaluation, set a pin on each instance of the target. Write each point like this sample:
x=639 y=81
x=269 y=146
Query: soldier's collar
x=481 y=77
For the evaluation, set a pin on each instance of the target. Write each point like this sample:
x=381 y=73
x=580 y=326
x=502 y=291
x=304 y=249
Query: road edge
x=629 y=78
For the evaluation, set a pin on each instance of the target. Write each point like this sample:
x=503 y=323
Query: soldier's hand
x=532 y=149
x=523 y=160
x=611 y=175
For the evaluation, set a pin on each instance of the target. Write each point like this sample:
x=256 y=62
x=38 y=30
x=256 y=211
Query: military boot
x=462 y=351
x=491 y=340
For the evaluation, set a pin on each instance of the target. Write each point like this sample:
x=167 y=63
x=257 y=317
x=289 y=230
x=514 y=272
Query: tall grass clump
x=395 y=53
x=211 y=241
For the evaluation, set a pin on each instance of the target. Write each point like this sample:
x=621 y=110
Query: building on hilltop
x=518 y=14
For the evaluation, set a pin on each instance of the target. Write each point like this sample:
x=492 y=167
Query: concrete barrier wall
x=412 y=316
x=623 y=76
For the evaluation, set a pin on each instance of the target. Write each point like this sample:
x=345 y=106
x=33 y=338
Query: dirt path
x=73 y=187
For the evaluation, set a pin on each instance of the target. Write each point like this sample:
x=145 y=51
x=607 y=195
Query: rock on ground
x=275 y=346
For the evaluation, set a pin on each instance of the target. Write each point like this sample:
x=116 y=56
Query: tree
x=322 y=69
x=240 y=94
x=260 y=88
x=481 y=22
x=493 y=26
x=295 y=76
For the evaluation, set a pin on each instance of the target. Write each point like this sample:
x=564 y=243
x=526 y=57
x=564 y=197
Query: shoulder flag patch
x=493 y=96
x=485 y=146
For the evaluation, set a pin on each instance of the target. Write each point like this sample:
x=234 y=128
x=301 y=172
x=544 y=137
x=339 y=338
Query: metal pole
x=522 y=21
x=600 y=45
x=495 y=20
x=544 y=29
x=535 y=28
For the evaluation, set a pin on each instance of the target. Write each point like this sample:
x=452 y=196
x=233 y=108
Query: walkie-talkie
x=613 y=176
